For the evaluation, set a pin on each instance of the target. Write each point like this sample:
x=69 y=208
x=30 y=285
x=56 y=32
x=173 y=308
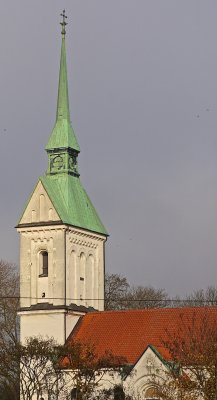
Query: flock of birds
x=207 y=110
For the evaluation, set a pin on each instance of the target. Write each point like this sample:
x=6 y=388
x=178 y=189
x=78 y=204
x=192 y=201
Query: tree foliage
x=9 y=330
x=48 y=370
x=116 y=288
x=120 y=295
x=87 y=370
x=193 y=349
x=9 y=302
x=203 y=297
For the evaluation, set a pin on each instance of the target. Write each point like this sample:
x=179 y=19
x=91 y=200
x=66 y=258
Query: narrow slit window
x=74 y=393
x=44 y=264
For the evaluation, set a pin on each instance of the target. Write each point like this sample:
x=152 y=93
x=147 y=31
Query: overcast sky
x=143 y=98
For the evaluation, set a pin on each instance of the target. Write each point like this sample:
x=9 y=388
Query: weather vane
x=63 y=23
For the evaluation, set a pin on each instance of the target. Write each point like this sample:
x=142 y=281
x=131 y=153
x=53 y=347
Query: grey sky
x=143 y=93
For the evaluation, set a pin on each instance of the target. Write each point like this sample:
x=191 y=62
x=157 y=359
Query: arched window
x=82 y=277
x=43 y=268
x=151 y=394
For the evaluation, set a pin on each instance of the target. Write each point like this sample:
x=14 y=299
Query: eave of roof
x=71 y=202
x=47 y=306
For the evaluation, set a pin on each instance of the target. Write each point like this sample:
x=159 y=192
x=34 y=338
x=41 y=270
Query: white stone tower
x=61 y=237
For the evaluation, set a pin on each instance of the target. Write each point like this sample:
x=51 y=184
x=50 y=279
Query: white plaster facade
x=148 y=370
x=56 y=324
x=140 y=383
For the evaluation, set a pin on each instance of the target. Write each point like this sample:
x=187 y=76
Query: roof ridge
x=138 y=310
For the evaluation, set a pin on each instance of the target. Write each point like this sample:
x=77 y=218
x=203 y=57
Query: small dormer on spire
x=62 y=147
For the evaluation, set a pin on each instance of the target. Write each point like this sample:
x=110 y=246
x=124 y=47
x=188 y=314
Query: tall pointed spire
x=63 y=135
x=63 y=97
x=61 y=181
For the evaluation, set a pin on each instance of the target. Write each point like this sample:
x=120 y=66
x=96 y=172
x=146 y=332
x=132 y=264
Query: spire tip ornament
x=63 y=23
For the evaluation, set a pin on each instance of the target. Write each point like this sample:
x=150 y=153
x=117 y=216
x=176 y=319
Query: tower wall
x=75 y=267
x=75 y=275
x=85 y=268
x=34 y=288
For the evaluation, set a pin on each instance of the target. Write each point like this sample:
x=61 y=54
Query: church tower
x=61 y=236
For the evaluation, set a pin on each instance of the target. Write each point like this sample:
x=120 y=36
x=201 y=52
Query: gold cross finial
x=63 y=23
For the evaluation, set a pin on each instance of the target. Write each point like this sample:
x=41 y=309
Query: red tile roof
x=127 y=333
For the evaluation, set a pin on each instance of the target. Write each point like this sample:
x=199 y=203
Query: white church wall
x=44 y=324
x=146 y=373
x=85 y=268
x=105 y=380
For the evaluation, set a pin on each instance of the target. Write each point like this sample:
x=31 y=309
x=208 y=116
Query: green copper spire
x=63 y=135
x=62 y=182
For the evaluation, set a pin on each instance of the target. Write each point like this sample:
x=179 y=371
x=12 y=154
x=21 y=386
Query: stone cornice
x=59 y=225
x=83 y=235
